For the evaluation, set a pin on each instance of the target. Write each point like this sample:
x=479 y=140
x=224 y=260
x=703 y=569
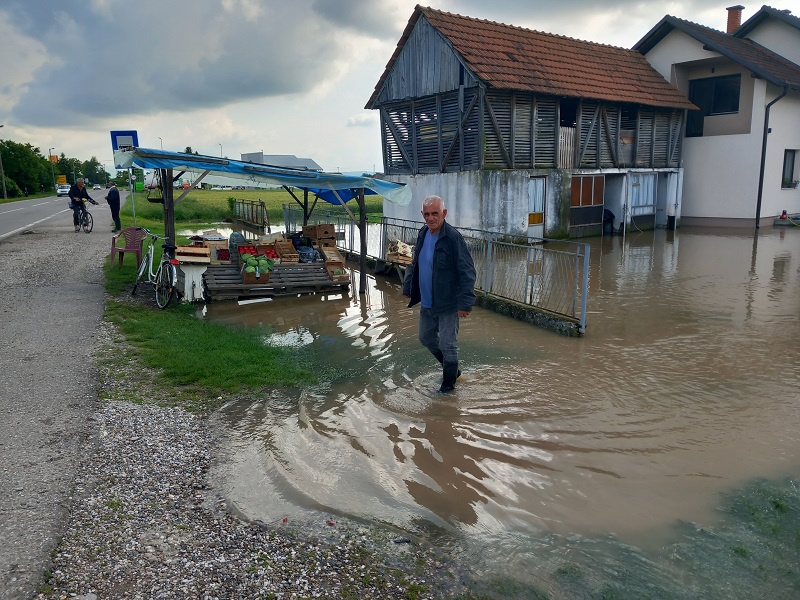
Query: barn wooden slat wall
x=442 y=133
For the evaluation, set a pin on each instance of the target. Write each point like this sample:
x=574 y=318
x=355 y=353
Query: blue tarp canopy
x=315 y=182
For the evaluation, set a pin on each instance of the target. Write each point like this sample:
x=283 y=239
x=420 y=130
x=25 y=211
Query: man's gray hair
x=432 y=199
x=80 y=179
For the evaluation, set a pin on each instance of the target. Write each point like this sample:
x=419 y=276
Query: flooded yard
x=560 y=466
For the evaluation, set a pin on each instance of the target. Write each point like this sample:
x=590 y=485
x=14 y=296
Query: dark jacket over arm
x=453 y=272
x=77 y=194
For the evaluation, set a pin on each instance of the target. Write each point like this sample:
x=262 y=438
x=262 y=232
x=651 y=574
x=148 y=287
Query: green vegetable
x=249 y=269
x=252 y=262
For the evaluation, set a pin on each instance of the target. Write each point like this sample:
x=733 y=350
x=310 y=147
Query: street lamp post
x=3 y=173
x=220 y=150
x=162 y=143
x=52 y=169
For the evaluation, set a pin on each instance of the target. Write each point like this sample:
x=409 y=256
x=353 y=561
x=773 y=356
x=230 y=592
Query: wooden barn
x=526 y=132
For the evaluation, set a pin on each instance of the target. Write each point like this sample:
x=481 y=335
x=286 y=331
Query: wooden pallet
x=224 y=282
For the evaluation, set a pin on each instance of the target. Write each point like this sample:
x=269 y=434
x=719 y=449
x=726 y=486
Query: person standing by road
x=77 y=195
x=113 y=202
x=441 y=278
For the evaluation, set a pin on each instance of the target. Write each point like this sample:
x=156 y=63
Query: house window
x=714 y=96
x=789 y=174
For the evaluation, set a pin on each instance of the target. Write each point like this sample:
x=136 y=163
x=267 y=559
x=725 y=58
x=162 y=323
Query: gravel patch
x=147 y=524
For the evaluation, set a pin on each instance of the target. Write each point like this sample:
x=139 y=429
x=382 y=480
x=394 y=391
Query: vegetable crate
x=251 y=279
x=216 y=248
x=336 y=271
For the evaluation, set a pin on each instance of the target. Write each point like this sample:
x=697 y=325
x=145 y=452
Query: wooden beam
x=191 y=187
x=460 y=134
x=169 y=208
x=496 y=126
x=349 y=212
x=611 y=145
x=362 y=234
x=398 y=137
x=585 y=143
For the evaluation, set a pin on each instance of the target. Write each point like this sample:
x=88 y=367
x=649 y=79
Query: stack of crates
x=321 y=235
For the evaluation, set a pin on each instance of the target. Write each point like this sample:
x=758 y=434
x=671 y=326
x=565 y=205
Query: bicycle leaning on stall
x=165 y=278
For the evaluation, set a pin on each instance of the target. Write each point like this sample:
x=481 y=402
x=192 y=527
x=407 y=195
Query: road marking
x=29 y=225
x=40 y=204
x=5 y=212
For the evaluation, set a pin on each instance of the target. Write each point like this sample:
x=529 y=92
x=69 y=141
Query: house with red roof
x=529 y=133
x=741 y=151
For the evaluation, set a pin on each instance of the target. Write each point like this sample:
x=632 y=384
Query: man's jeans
x=439 y=333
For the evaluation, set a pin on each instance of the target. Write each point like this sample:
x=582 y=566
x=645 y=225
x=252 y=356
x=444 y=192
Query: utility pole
x=52 y=169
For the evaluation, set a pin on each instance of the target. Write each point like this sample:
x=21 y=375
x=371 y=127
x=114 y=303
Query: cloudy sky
x=236 y=76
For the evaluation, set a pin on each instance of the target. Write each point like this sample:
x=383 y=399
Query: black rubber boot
x=440 y=357
x=450 y=373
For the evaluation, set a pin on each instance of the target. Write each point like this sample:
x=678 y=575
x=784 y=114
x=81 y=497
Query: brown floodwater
x=686 y=386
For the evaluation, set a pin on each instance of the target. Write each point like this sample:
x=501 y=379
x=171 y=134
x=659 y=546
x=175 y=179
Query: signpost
x=126 y=139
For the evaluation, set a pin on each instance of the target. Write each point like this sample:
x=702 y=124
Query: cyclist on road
x=77 y=195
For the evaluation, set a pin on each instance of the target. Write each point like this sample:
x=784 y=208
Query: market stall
x=330 y=187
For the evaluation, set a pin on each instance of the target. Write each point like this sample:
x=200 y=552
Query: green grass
x=218 y=358
x=213 y=206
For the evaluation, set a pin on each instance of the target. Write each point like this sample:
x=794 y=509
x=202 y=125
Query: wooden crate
x=193 y=254
x=287 y=252
x=325 y=243
x=215 y=246
x=331 y=255
x=401 y=259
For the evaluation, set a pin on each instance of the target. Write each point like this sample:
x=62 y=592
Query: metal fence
x=548 y=275
x=252 y=213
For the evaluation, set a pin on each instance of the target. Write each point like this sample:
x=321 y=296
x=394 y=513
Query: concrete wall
x=498 y=200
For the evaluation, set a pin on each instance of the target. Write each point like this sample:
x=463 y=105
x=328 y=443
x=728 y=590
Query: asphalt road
x=52 y=299
x=20 y=215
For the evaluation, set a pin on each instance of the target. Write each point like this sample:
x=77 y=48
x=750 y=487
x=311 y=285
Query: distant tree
x=24 y=167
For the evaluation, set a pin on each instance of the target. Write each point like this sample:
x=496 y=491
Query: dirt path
x=51 y=294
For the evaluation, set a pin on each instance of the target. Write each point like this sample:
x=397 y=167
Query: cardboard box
x=326 y=231
x=332 y=269
x=251 y=279
x=325 y=243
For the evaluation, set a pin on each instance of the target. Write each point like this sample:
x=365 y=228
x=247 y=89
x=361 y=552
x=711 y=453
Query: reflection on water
x=685 y=386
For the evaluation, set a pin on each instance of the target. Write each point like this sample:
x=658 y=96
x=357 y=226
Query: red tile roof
x=513 y=58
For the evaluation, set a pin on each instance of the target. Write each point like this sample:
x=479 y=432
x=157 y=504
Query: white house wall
x=676 y=48
x=784 y=123
x=779 y=37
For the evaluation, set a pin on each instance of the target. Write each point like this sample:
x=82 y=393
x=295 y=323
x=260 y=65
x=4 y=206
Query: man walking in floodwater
x=442 y=279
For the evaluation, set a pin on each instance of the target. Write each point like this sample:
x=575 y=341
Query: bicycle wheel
x=142 y=270
x=165 y=284
x=87 y=222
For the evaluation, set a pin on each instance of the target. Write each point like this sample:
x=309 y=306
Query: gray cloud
x=132 y=58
